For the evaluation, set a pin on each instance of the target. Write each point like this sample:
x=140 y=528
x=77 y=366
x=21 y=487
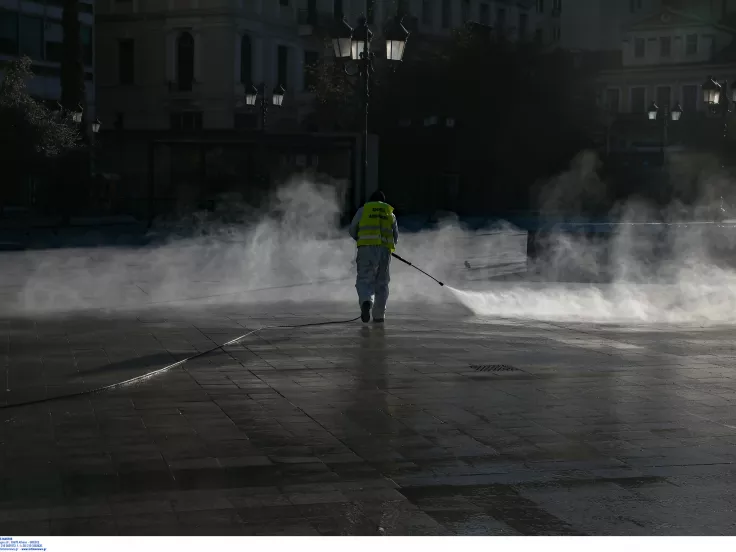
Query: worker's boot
x=365 y=311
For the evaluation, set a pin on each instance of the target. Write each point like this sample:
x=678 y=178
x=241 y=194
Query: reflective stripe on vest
x=376 y=225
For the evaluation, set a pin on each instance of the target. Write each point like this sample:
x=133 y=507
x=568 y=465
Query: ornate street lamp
x=652 y=111
x=711 y=92
x=360 y=45
x=96 y=126
x=251 y=95
x=278 y=96
x=77 y=115
x=676 y=112
x=255 y=94
x=396 y=38
x=355 y=45
x=341 y=40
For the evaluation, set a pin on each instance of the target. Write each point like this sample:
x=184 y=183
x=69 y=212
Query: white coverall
x=373 y=269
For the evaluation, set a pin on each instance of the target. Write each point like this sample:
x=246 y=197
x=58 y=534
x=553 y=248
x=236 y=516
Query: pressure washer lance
x=417 y=268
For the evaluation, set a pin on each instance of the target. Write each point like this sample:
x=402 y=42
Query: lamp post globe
x=77 y=114
x=278 y=96
x=361 y=41
x=711 y=91
x=676 y=112
x=251 y=95
x=396 y=37
x=342 y=38
x=652 y=111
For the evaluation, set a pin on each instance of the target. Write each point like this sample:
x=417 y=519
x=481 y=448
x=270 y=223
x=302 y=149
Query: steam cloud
x=294 y=250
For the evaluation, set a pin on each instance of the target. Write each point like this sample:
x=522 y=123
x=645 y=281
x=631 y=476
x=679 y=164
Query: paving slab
x=351 y=429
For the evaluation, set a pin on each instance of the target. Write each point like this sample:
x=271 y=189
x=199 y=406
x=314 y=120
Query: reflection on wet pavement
x=366 y=430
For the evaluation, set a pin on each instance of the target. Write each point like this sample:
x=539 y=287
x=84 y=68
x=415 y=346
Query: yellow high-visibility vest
x=376 y=225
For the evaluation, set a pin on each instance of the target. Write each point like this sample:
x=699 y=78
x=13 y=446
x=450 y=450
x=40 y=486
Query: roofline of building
x=701 y=22
x=706 y=67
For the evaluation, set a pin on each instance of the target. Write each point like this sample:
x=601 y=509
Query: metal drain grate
x=493 y=368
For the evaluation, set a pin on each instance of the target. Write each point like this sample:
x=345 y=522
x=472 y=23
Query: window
x=523 y=21
x=539 y=36
x=337 y=9
x=638 y=100
x=310 y=60
x=640 y=47
x=427 y=12
x=8 y=32
x=664 y=95
x=484 y=14
x=284 y=3
x=31 y=37
x=690 y=98
x=691 y=44
x=126 y=61
x=186 y=121
x=665 y=46
x=465 y=11
x=282 y=55
x=54 y=36
x=557 y=6
x=540 y=6
x=87 y=46
x=246 y=60
x=556 y=34
x=613 y=100
x=446 y=14
x=185 y=61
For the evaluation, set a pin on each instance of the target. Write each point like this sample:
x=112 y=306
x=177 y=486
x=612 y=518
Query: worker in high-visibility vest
x=376 y=233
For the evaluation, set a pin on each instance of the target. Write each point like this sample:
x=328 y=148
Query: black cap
x=378 y=196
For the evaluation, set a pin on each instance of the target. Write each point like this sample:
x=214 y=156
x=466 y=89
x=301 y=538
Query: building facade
x=665 y=58
x=513 y=19
x=185 y=64
x=33 y=28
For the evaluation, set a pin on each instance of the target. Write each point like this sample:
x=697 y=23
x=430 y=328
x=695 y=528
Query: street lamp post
x=716 y=99
x=78 y=161
x=654 y=111
x=355 y=45
x=78 y=116
x=258 y=94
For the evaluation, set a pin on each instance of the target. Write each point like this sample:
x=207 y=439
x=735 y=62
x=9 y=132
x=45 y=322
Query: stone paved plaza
x=440 y=423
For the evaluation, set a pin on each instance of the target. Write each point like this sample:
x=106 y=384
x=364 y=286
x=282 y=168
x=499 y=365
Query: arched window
x=185 y=61
x=246 y=61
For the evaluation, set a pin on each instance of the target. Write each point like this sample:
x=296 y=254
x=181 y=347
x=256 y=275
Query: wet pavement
x=438 y=423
